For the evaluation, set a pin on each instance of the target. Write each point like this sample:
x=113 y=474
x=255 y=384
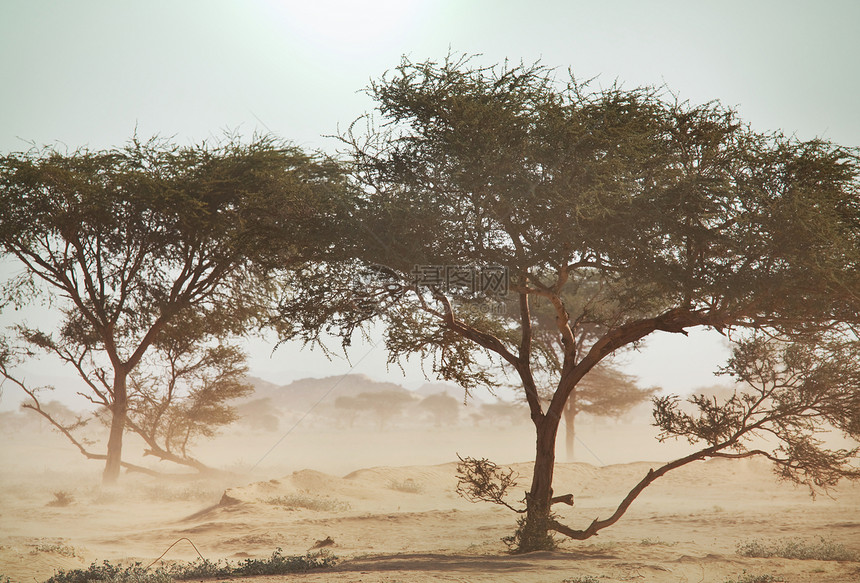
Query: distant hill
x=304 y=393
x=456 y=392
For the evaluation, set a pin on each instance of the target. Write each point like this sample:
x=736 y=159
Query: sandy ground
x=387 y=500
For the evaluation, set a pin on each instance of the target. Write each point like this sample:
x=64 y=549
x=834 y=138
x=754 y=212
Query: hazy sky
x=91 y=72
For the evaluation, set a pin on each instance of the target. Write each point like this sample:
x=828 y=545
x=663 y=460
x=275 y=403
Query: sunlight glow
x=339 y=26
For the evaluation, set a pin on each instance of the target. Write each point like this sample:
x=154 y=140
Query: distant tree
x=604 y=392
x=259 y=414
x=504 y=413
x=657 y=215
x=125 y=241
x=442 y=407
x=384 y=405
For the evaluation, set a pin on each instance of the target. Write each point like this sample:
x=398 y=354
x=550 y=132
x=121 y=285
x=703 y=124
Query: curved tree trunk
x=119 y=412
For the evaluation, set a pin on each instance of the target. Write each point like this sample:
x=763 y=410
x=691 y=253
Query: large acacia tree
x=657 y=215
x=127 y=240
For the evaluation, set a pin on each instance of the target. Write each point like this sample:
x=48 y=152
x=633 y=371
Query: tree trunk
x=534 y=531
x=119 y=412
x=569 y=429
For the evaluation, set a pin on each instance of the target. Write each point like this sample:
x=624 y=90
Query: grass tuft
x=60 y=549
x=796 y=548
x=61 y=498
x=650 y=542
x=408 y=485
x=750 y=578
x=309 y=502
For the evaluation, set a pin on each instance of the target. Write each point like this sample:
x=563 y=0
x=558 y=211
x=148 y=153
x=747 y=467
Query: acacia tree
x=604 y=392
x=183 y=388
x=658 y=215
x=179 y=392
x=127 y=240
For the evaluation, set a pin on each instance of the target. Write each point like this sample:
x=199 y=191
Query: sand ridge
x=393 y=521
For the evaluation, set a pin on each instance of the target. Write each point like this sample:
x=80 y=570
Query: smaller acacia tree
x=182 y=391
x=128 y=240
x=604 y=392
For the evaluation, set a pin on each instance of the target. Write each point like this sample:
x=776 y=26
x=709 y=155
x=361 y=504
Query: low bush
x=57 y=548
x=61 y=498
x=277 y=564
x=408 y=485
x=796 y=548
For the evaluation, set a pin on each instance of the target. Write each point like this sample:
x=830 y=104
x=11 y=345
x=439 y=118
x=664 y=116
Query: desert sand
x=385 y=498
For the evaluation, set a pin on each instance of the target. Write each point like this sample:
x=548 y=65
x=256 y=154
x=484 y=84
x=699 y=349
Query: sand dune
x=402 y=521
x=406 y=524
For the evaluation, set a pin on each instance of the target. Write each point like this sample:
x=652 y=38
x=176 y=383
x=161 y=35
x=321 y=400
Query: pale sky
x=91 y=72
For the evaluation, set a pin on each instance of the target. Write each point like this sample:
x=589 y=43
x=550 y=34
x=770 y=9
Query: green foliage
x=797 y=548
x=277 y=564
x=108 y=573
x=531 y=535
x=793 y=391
x=183 y=388
x=158 y=248
x=617 y=213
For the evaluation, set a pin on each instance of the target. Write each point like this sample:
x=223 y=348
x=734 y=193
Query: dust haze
x=367 y=469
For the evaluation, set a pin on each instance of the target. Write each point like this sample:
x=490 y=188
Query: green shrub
x=525 y=541
x=796 y=548
x=277 y=564
x=108 y=573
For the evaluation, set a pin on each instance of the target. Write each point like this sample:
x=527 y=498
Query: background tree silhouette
x=603 y=392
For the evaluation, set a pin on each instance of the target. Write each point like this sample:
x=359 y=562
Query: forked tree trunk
x=119 y=412
x=534 y=533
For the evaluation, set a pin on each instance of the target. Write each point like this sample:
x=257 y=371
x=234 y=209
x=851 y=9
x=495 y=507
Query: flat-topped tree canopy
x=127 y=240
x=619 y=211
x=668 y=204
